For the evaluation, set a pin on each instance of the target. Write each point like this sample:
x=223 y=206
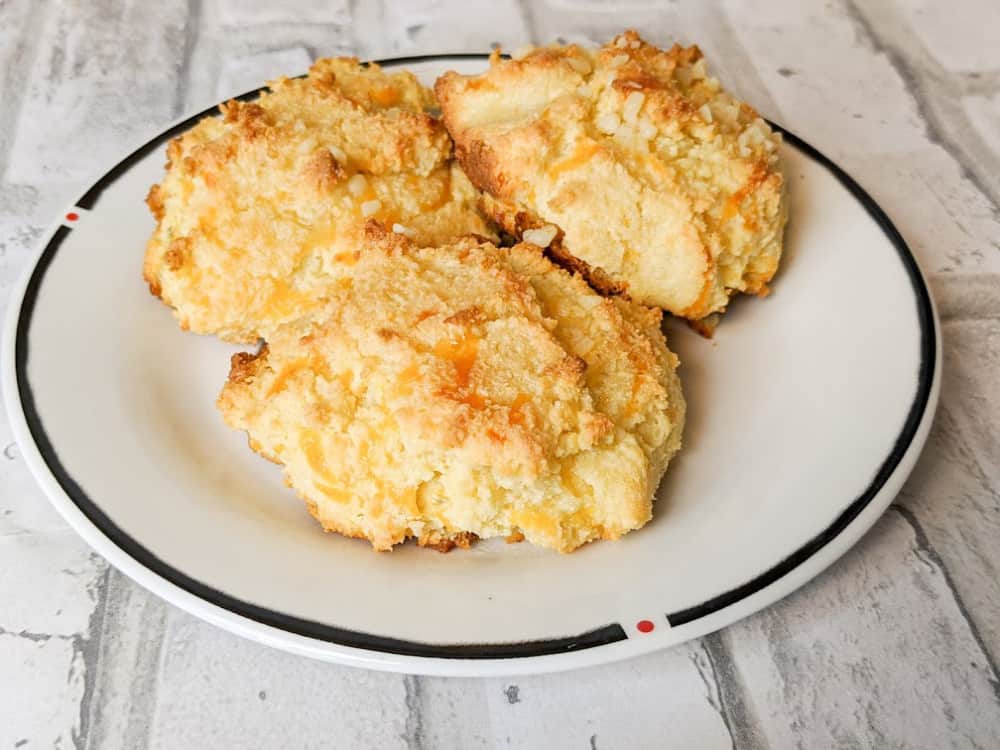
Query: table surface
x=896 y=646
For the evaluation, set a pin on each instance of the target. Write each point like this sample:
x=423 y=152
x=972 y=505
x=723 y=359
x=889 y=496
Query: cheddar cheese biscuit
x=262 y=203
x=457 y=392
x=632 y=162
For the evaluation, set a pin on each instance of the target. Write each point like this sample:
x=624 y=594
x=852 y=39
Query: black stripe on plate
x=925 y=377
x=93 y=194
x=598 y=637
x=309 y=628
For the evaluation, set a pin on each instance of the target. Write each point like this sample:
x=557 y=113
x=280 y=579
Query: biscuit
x=261 y=204
x=461 y=392
x=648 y=176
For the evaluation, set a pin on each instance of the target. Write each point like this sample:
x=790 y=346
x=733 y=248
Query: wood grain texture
x=21 y=19
x=216 y=691
x=395 y=28
x=954 y=493
x=881 y=132
x=230 y=36
x=46 y=635
x=874 y=653
x=125 y=670
x=103 y=76
x=668 y=699
x=896 y=646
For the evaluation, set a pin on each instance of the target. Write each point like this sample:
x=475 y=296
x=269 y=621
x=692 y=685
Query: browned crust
x=177 y=253
x=244 y=366
x=697 y=309
x=256 y=448
x=596 y=276
x=515 y=221
x=705 y=327
x=154 y=288
x=154 y=199
x=323 y=170
x=467 y=317
x=480 y=165
x=249 y=118
x=570 y=367
x=477 y=159
x=378 y=237
x=463 y=540
x=397 y=136
x=508 y=216
x=174 y=150
x=438 y=541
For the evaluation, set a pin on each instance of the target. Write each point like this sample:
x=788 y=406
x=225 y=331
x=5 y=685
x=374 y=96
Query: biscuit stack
x=419 y=379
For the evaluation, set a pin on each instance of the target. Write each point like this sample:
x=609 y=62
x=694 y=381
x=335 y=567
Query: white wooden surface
x=896 y=646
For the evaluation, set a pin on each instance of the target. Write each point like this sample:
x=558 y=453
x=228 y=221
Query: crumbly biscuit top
x=465 y=389
x=637 y=154
x=258 y=203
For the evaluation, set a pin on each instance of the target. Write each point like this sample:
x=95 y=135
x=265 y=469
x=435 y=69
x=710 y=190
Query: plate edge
x=920 y=417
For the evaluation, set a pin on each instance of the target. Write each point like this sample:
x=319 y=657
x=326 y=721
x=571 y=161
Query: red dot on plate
x=644 y=626
x=71 y=216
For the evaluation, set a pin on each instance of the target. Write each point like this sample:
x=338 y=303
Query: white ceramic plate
x=806 y=413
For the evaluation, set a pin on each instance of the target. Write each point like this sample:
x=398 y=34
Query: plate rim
x=604 y=644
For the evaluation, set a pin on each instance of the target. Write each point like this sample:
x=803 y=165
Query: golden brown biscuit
x=645 y=174
x=260 y=204
x=464 y=391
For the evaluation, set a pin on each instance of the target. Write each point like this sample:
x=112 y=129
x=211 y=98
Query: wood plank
x=18 y=45
x=875 y=653
x=106 y=76
x=937 y=90
x=216 y=690
x=241 y=74
x=666 y=699
x=247 y=12
x=945 y=30
x=51 y=587
x=856 y=99
x=948 y=223
x=123 y=693
x=394 y=28
x=954 y=491
x=231 y=35
x=984 y=116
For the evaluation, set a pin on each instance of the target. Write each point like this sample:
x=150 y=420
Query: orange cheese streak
x=577 y=159
x=440 y=200
x=462 y=355
x=404 y=381
x=321 y=236
x=281 y=380
x=296 y=366
x=517 y=409
x=473 y=399
x=338 y=496
x=284 y=300
x=348 y=258
x=386 y=97
x=312 y=447
x=734 y=201
x=409 y=374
